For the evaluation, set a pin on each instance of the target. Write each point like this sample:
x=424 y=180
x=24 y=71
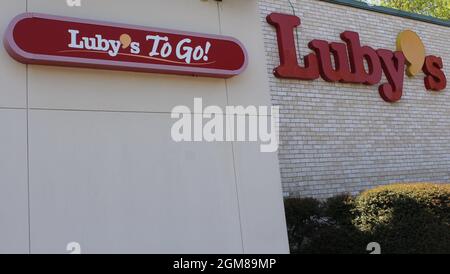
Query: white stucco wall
x=86 y=155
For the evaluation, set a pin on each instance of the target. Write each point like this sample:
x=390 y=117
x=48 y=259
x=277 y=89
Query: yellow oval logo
x=412 y=47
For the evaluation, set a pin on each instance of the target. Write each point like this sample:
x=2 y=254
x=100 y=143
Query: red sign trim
x=42 y=59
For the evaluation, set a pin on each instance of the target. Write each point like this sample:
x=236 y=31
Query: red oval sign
x=62 y=41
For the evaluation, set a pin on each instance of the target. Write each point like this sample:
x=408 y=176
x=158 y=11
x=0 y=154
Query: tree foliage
x=435 y=8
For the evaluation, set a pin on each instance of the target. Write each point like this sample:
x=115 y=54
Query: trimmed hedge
x=406 y=218
x=402 y=218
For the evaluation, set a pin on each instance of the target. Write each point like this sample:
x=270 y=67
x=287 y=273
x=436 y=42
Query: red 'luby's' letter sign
x=50 y=40
x=349 y=61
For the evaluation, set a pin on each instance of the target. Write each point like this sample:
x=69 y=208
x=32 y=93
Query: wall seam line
x=28 y=151
x=232 y=149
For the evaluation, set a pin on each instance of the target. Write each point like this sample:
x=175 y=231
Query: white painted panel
x=13 y=182
x=88 y=89
x=116 y=182
x=261 y=202
x=188 y=15
x=241 y=19
x=258 y=175
x=12 y=73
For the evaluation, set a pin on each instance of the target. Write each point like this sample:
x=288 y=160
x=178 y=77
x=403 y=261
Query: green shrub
x=322 y=226
x=334 y=231
x=335 y=239
x=339 y=208
x=300 y=213
x=406 y=218
x=403 y=218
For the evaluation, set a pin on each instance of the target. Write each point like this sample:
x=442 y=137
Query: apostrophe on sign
x=125 y=39
x=412 y=47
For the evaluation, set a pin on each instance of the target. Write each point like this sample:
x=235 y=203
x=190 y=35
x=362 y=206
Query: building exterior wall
x=339 y=138
x=86 y=155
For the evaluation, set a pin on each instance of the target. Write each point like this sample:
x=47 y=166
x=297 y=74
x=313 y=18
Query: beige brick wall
x=344 y=138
